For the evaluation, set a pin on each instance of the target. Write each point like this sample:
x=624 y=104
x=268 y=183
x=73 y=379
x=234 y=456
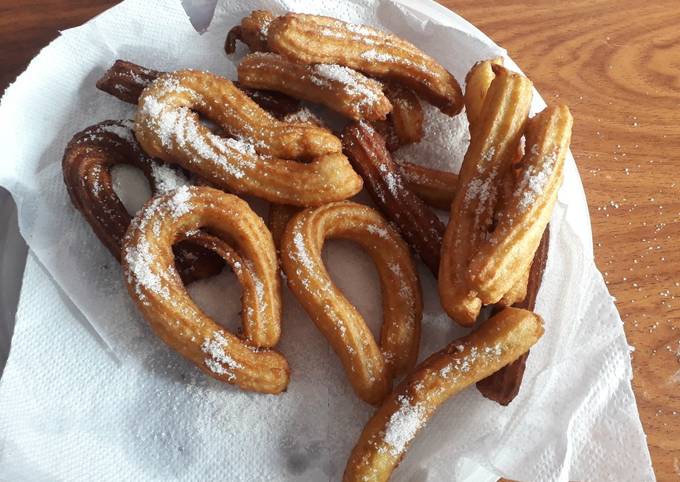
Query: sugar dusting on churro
x=218 y=361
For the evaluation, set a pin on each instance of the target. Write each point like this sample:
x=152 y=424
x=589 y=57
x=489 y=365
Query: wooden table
x=617 y=64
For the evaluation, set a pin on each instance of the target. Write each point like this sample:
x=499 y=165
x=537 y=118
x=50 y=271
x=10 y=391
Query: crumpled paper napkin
x=112 y=402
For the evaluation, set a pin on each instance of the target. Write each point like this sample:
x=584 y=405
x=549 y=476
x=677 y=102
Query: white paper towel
x=69 y=409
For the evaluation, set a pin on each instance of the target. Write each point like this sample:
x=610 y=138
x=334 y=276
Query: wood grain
x=617 y=64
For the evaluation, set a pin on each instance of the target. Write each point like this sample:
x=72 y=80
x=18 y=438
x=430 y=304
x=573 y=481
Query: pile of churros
x=264 y=141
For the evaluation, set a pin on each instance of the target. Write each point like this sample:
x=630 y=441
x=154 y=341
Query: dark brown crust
x=436 y=188
x=386 y=129
x=252 y=31
x=86 y=167
x=503 y=386
x=230 y=42
x=277 y=104
x=126 y=81
x=417 y=223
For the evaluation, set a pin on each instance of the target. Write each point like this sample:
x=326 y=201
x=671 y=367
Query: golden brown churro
x=508 y=251
x=416 y=222
x=477 y=83
x=370 y=367
x=162 y=299
x=389 y=433
x=313 y=39
x=278 y=218
x=256 y=161
x=407 y=116
x=341 y=89
x=492 y=148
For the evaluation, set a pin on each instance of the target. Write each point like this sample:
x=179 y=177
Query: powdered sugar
x=180 y=202
x=393 y=181
x=218 y=361
x=365 y=89
x=259 y=287
x=444 y=144
x=122 y=129
x=167 y=178
x=301 y=252
x=535 y=178
x=404 y=288
x=178 y=127
x=377 y=56
x=403 y=426
x=141 y=261
x=378 y=230
x=303 y=115
x=464 y=363
x=362 y=29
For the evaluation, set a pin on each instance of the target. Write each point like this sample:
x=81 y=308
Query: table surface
x=616 y=63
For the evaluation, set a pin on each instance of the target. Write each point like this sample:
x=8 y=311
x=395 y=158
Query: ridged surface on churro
x=86 y=168
x=477 y=83
x=313 y=39
x=257 y=160
x=341 y=89
x=417 y=223
x=278 y=218
x=370 y=366
x=252 y=31
x=437 y=188
x=389 y=433
x=493 y=146
x=407 y=115
x=154 y=285
x=509 y=249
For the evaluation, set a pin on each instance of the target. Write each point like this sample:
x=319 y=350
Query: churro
x=389 y=433
x=313 y=39
x=370 y=366
x=341 y=89
x=154 y=285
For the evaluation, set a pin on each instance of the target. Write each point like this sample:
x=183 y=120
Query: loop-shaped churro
x=493 y=146
x=370 y=367
x=252 y=31
x=388 y=434
x=256 y=161
x=341 y=89
x=155 y=286
x=416 y=222
x=313 y=39
x=507 y=252
x=86 y=167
